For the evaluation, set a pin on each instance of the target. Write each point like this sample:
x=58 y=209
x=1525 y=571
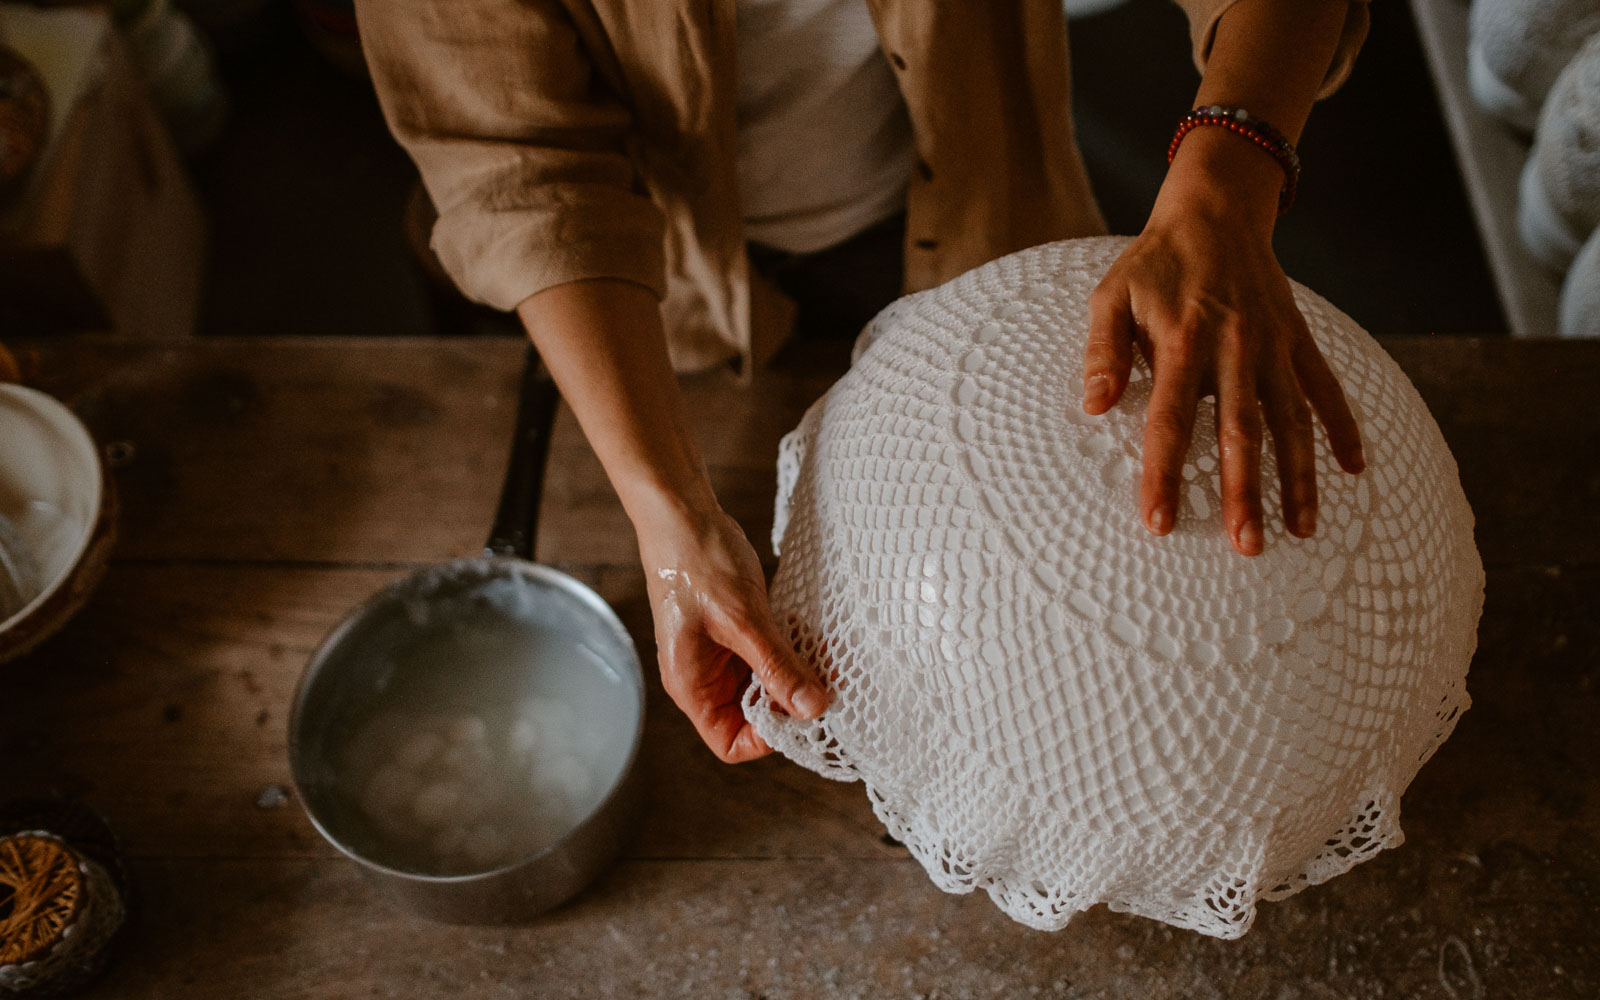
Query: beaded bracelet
x=1238 y=121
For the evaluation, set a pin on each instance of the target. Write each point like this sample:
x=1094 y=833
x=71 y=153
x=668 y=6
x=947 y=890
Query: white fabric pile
x=1048 y=703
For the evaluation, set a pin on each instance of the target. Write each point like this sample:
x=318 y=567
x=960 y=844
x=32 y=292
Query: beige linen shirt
x=570 y=139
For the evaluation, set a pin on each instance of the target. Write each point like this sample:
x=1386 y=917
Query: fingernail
x=1306 y=522
x=1098 y=389
x=1161 y=519
x=811 y=701
x=1250 y=538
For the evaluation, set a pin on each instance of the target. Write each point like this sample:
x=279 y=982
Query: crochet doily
x=1048 y=703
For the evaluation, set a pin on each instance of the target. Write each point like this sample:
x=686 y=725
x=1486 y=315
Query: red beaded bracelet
x=1238 y=121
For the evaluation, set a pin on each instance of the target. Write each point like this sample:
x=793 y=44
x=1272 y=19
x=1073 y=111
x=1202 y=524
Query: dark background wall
x=306 y=189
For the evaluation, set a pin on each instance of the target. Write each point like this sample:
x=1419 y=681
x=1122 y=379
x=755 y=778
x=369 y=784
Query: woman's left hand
x=1203 y=294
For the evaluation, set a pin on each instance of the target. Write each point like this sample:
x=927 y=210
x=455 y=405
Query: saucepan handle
x=516 y=523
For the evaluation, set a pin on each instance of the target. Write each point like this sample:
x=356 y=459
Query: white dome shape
x=1046 y=702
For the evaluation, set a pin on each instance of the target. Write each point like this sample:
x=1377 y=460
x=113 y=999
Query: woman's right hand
x=603 y=342
x=714 y=630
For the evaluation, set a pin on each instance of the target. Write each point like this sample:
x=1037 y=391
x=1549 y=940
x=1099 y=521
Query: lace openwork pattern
x=1048 y=703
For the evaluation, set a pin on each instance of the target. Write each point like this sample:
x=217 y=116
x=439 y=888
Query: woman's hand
x=603 y=342
x=1202 y=293
x=714 y=629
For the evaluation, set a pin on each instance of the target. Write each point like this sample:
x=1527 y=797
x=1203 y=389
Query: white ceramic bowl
x=57 y=517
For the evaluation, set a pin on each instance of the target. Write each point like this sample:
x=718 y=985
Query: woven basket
x=63 y=892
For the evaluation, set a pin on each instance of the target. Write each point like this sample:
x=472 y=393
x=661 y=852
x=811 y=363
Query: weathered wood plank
x=1510 y=384
x=1450 y=914
x=391 y=451
x=302 y=450
x=364 y=451
x=166 y=705
x=1520 y=417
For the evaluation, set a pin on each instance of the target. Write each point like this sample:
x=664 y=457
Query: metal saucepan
x=372 y=656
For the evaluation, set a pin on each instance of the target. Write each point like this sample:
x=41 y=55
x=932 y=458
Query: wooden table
x=274 y=483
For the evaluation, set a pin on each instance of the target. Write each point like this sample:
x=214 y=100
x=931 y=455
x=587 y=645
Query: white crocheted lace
x=1048 y=703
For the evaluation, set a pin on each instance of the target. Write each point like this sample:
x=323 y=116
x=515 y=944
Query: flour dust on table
x=494 y=739
x=1047 y=702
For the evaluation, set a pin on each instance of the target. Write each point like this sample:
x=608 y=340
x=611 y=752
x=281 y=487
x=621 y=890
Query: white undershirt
x=825 y=147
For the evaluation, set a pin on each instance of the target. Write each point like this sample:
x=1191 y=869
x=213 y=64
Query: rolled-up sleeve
x=523 y=148
x=1204 y=14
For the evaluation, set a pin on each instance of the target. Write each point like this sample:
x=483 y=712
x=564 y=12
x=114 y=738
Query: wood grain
x=276 y=483
x=167 y=706
x=391 y=452
x=367 y=451
x=302 y=451
x=1400 y=925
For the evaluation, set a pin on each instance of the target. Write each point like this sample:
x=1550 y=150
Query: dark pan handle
x=516 y=523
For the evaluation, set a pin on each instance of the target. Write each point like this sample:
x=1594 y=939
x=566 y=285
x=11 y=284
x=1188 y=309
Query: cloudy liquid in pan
x=490 y=741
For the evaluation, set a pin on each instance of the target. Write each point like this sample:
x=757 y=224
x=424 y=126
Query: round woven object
x=1049 y=703
x=41 y=891
x=58 y=911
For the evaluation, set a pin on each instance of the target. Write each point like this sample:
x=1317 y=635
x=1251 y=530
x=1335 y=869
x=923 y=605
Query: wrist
x=603 y=341
x=656 y=506
x=1223 y=177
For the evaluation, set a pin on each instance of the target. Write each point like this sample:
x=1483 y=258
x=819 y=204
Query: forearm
x=603 y=342
x=604 y=345
x=1269 y=57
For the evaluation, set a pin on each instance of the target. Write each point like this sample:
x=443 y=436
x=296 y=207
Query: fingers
x=729 y=735
x=1109 y=357
x=747 y=745
x=714 y=631
x=718 y=705
x=773 y=660
x=699 y=679
x=1289 y=418
x=709 y=689
x=1239 y=441
x=706 y=665
x=1322 y=389
x=1168 y=425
